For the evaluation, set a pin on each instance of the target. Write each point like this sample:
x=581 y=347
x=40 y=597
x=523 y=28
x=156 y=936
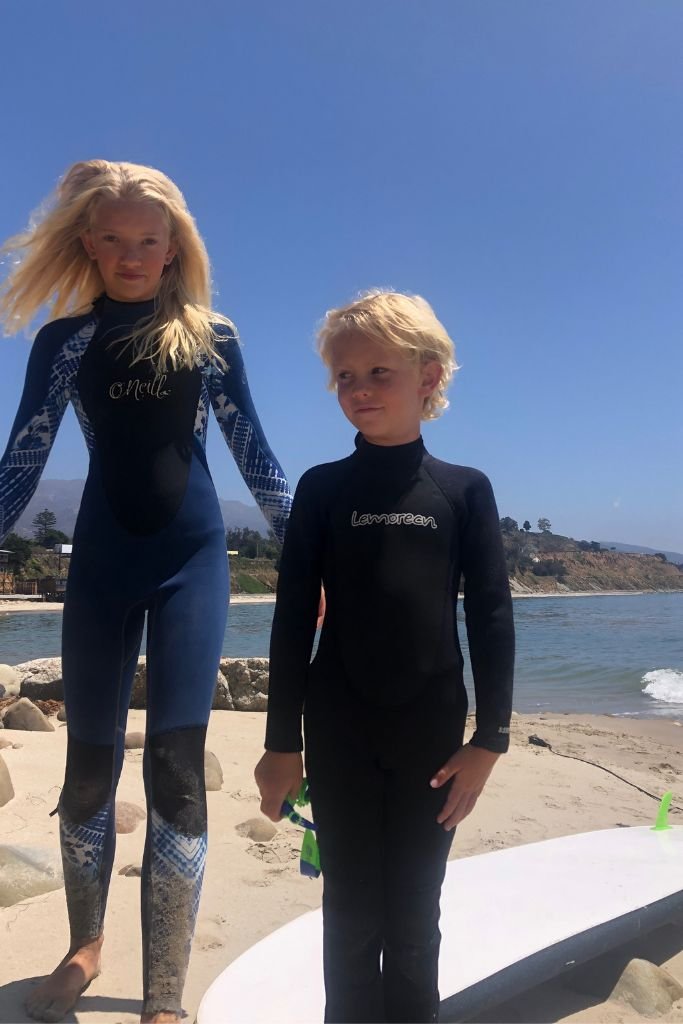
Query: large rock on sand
x=23 y=714
x=28 y=871
x=41 y=679
x=6 y=788
x=10 y=681
x=247 y=682
x=649 y=989
x=128 y=817
x=213 y=773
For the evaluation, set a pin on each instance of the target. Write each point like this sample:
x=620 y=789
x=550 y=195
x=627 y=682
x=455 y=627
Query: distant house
x=233 y=552
x=4 y=559
x=63 y=549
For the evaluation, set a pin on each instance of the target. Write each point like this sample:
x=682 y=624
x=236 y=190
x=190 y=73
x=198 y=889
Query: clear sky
x=517 y=163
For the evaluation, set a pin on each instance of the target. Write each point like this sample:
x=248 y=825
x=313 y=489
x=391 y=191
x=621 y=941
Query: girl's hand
x=278 y=776
x=469 y=768
x=321 y=608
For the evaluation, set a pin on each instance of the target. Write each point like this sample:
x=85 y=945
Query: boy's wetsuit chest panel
x=390 y=567
x=143 y=422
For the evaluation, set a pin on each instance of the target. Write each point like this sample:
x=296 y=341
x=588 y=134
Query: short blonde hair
x=50 y=263
x=407 y=322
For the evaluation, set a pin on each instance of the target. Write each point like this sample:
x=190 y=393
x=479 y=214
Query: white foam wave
x=665 y=684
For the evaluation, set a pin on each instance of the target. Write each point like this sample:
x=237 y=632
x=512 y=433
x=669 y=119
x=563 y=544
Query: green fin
x=662 y=822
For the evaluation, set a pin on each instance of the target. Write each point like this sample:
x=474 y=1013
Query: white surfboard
x=509 y=920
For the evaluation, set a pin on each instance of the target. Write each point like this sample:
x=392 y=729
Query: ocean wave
x=665 y=684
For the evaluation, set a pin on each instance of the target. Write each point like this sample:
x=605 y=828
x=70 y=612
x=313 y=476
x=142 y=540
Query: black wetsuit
x=390 y=531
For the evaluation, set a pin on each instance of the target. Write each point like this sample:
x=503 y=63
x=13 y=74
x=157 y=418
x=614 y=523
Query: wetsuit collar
x=122 y=313
x=399 y=455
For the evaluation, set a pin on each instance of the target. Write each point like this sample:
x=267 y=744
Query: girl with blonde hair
x=137 y=349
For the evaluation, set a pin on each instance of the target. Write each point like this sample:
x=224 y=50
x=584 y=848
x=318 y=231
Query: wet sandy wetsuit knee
x=391 y=532
x=149 y=545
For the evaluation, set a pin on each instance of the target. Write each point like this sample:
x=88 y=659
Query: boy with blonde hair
x=390 y=531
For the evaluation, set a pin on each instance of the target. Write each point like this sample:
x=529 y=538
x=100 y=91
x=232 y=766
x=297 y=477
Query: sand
x=250 y=889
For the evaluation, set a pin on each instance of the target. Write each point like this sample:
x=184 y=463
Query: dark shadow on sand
x=14 y=993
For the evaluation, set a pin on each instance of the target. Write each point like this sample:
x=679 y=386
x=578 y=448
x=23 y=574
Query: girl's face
x=131 y=244
x=380 y=391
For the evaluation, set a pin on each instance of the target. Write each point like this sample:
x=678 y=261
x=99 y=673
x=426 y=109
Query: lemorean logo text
x=392 y=519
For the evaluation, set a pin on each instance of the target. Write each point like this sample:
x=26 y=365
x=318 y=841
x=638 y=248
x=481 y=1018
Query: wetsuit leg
x=346 y=784
x=415 y=744
x=186 y=627
x=100 y=644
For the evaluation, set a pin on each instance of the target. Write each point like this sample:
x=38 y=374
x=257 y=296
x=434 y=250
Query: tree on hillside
x=53 y=537
x=21 y=551
x=544 y=525
x=250 y=543
x=509 y=525
x=43 y=523
x=526 y=526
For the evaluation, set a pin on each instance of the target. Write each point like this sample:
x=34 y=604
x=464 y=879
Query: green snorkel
x=309 y=862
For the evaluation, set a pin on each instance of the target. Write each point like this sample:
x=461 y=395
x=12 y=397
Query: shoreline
x=18 y=605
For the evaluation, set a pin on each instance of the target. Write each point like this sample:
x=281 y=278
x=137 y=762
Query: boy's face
x=380 y=391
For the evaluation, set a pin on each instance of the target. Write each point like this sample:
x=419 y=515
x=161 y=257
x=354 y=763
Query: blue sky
x=517 y=163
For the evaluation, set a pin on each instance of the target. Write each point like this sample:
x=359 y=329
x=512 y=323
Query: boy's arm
x=488 y=614
x=294 y=621
x=43 y=402
x=240 y=426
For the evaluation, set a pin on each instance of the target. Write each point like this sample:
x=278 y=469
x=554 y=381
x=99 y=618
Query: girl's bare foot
x=59 y=993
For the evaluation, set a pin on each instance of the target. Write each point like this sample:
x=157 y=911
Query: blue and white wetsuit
x=149 y=539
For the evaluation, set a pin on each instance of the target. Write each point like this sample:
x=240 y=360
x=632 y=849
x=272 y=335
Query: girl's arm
x=294 y=621
x=488 y=616
x=43 y=402
x=236 y=415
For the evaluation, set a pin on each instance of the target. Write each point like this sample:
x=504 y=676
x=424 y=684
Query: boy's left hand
x=471 y=767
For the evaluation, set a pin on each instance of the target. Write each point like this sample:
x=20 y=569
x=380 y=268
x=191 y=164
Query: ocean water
x=602 y=655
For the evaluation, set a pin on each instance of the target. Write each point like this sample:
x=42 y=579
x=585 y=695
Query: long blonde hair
x=406 y=322
x=52 y=266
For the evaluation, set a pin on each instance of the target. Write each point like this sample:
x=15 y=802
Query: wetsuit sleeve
x=236 y=415
x=294 y=621
x=488 y=615
x=43 y=402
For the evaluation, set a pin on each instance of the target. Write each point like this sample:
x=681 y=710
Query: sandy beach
x=252 y=888
x=57 y=606
x=17 y=605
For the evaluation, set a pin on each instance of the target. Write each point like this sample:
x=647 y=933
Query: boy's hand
x=278 y=776
x=469 y=768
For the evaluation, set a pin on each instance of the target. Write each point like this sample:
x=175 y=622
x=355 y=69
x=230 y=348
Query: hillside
x=549 y=563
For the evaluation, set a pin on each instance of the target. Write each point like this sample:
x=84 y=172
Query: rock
x=25 y=715
x=128 y=817
x=260 y=830
x=41 y=679
x=212 y=771
x=28 y=871
x=134 y=741
x=61 y=714
x=10 y=681
x=131 y=871
x=246 y=695
x=647 y=988
x=6 y=787
x=138 y=695
x=222 y=700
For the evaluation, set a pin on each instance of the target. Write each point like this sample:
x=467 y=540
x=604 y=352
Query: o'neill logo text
x=392 y=519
